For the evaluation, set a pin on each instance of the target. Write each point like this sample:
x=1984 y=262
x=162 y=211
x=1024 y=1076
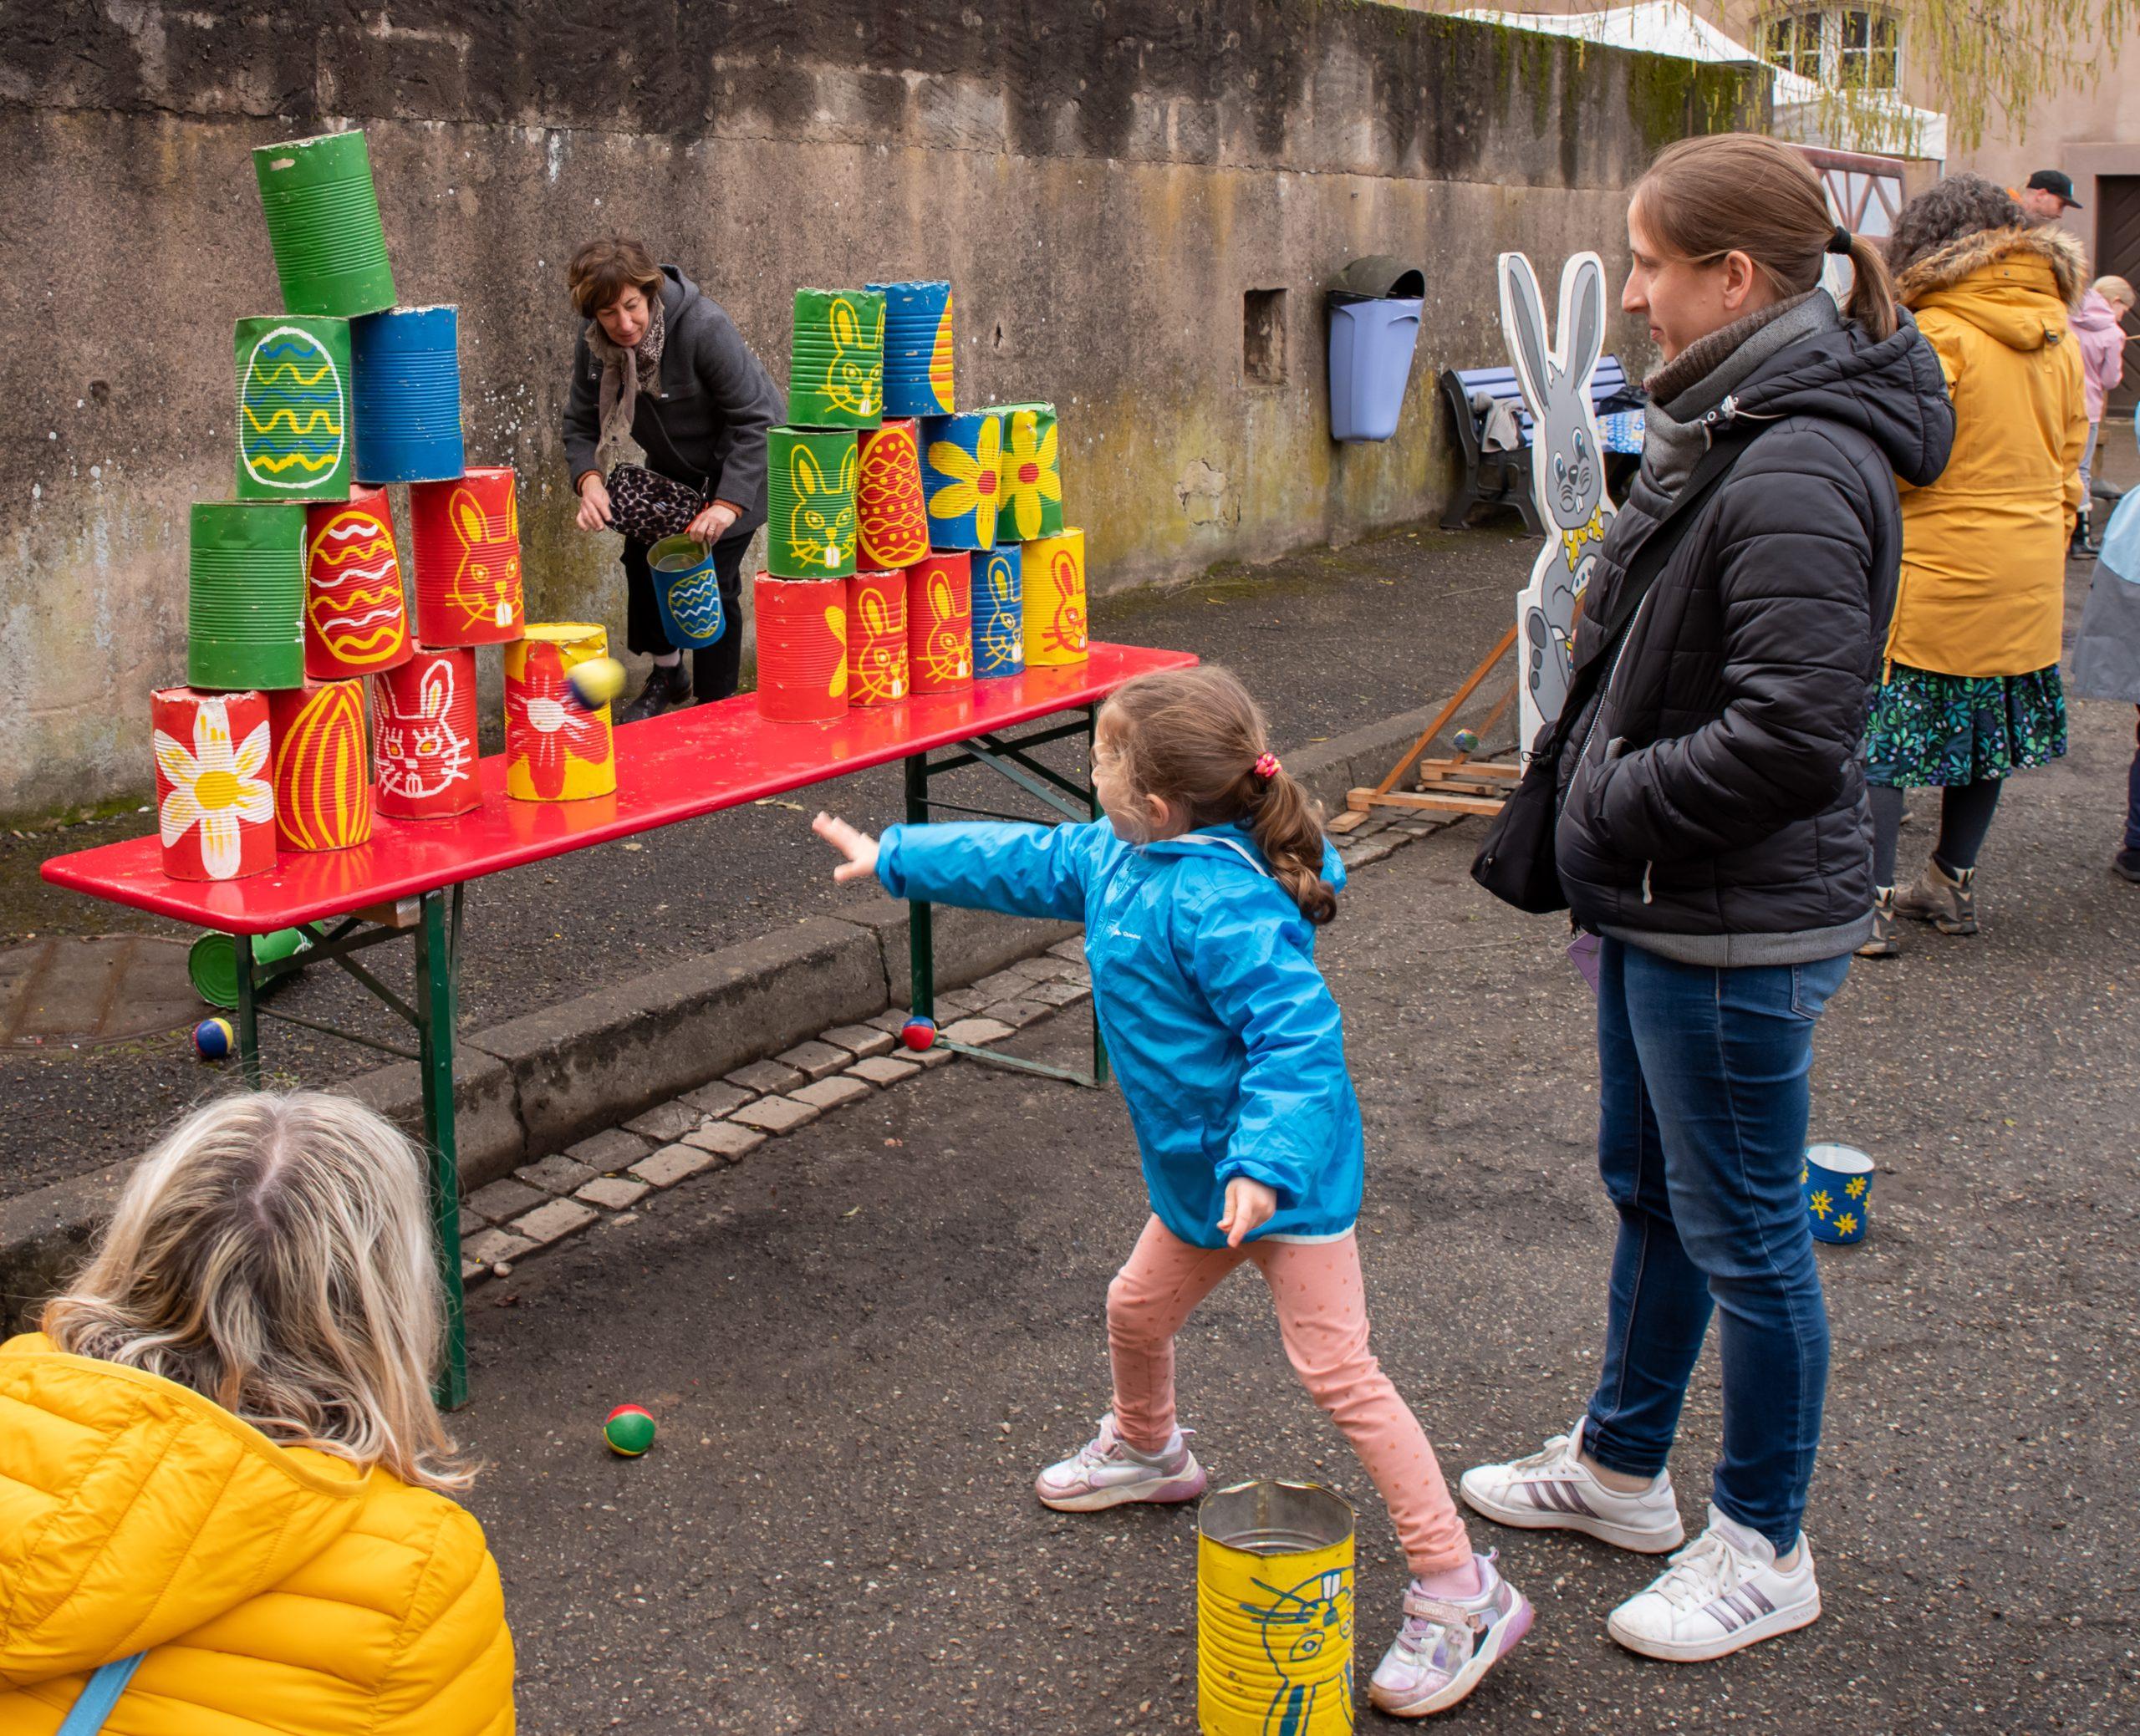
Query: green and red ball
x=628 y=1430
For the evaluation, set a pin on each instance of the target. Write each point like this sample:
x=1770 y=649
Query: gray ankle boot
x=1946 y=901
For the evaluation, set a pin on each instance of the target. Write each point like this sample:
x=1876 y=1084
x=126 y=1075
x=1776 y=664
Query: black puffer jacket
x=1714 y=805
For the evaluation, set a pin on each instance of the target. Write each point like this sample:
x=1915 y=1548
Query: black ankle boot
x=665 y=688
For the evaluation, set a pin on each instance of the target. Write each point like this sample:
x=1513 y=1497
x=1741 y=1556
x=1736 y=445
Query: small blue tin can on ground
x=688 y=591
x=1837 y=1180
x=405 y=396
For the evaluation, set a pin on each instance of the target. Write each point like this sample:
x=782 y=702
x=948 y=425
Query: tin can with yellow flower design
x=1837 y=1181
x=1032 y=480
x=962 y=478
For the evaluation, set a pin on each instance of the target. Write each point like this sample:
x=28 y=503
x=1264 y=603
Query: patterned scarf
x=617 y=395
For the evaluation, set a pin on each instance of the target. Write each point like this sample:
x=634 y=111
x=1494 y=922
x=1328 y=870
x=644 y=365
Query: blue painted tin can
x=687 y=590
x=406 y=364
x=1837 y=1180
x=918 y=349
x=999 y=614
x=962 y=479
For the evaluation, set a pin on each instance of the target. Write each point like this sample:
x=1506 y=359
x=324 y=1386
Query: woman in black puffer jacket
x=1714 y=833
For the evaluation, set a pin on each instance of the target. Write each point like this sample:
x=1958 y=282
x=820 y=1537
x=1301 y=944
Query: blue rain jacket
x=1226 y=1037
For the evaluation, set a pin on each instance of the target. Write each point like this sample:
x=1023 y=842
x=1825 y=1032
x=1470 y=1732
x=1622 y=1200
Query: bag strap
x=94 y=1705
x=1644 y=569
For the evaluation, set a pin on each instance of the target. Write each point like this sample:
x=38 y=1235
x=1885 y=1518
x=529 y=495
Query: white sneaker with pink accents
x=1108 y=1472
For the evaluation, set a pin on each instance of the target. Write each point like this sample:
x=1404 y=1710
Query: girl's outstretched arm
x=1021 y=870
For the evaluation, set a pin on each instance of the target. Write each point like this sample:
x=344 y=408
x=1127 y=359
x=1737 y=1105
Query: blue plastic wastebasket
x=1371 y=345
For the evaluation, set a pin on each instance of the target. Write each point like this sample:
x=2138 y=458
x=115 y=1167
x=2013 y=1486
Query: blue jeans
x=1703 y=1102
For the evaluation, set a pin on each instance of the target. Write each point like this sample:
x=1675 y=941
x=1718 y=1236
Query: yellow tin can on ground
x=1274 y=1611
x=555 y=750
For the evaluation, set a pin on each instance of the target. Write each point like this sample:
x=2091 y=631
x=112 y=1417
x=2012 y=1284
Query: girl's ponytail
x=1194 y=736
x=1288 y=830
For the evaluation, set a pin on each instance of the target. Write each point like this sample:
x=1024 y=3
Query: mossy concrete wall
x=1102 y=181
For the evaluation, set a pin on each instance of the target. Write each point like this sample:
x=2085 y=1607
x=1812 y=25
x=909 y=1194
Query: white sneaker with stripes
x=1554 y=1490
x=1722 y=1593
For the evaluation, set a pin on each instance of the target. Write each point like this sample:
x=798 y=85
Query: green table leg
x=920 y=929
x=1099 y=1042
x=435 y=1013
x=248 y=1015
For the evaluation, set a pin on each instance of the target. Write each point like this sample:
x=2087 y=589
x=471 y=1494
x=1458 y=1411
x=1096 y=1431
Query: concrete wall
x=1103 y=182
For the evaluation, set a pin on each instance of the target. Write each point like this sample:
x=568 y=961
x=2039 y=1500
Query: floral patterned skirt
x=1948 y=729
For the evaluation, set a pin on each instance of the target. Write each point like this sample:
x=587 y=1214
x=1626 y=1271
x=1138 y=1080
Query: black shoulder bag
x=1516 y=863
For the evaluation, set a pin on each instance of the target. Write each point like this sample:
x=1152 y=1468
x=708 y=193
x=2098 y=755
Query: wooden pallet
x=1458 y=784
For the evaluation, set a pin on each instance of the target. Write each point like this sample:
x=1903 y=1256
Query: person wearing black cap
x=2047 y=196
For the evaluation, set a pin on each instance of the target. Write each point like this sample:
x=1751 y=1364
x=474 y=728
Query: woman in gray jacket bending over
x=662 y=362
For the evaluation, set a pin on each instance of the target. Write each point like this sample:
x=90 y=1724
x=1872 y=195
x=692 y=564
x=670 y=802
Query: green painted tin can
x=836 y=368
x=810 y=524
x=293 y=432
x=322 y=222
x=212 y=961
x=1031 y=487
x=245 y=596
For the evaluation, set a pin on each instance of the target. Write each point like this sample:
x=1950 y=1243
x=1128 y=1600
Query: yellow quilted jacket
x=275 y=1589
x=1983 y=590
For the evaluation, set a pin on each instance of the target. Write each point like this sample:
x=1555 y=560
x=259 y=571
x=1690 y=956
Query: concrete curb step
x=540 y=1084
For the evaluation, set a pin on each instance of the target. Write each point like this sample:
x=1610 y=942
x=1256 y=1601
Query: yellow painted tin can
x=1053 y=571
x=556 y=749
x=1274 y=1611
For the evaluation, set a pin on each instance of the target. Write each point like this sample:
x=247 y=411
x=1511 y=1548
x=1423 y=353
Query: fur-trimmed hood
x=1950 y=265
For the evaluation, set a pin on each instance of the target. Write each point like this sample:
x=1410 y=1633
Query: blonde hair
x=2113 y=289
x=1746 y=193
x=1193 y=737
x=273 y=1253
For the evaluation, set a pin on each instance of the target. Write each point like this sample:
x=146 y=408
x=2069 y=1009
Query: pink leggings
x=1323 y=1315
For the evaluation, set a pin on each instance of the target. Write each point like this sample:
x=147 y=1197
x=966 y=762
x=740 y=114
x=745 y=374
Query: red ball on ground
x=917 y=1033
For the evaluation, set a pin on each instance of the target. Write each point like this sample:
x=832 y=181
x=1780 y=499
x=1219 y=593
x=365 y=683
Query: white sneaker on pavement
x=1722 y=1593
x=1447 y=1645
x=1554 y=1490
x=1108 y=1472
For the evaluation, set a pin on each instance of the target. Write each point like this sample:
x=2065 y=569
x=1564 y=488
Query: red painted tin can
x=322 y=766
x=801 y=648
x=876 y=638
x=939 y=623
x=425 y=737
x=467 y=537
x=356 y=621
x=215 y=793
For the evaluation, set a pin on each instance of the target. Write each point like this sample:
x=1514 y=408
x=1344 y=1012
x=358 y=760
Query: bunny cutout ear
x=1581 y=315
x=1523 y=320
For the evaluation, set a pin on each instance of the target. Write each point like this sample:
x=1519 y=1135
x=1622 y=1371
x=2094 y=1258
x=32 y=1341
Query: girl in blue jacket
x=1200 y=892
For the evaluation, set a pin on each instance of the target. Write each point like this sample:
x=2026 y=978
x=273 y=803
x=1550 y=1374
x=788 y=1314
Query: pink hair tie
x=1267 y=767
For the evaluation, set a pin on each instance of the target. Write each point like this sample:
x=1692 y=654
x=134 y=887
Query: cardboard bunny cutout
x=1567 y=471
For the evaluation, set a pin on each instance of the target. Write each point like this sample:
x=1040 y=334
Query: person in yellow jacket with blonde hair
x=1971 y=692
x=220 y=1463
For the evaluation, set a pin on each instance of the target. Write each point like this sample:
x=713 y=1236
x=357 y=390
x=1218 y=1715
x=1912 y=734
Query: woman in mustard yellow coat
x=221 y=1455
x=1972 y=692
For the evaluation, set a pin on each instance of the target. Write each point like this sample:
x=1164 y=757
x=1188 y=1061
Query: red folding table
x=408 y=878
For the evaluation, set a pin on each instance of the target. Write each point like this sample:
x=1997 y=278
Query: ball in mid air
x=596 y=682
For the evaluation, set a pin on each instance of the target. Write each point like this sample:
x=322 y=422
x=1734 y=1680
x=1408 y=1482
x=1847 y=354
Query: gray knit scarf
x=1708 y=370
x=617 y=395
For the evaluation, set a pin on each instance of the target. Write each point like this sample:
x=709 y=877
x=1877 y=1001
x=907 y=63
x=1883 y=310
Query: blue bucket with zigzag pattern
x=687 y=590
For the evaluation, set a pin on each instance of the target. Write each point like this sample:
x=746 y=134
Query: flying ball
x=596 y=682
x=214 y=1039
x=629 y=1431
x=1466 y=739
x=917 y=1033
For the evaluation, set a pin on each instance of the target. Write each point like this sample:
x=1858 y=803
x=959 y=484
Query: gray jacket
x=707 y=426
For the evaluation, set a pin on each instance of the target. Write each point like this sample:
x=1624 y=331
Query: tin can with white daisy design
x=1837 y=1181
x=215 y=798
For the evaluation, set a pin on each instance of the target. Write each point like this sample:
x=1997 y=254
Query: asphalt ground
x=863 y=1341
x=1330 y=640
